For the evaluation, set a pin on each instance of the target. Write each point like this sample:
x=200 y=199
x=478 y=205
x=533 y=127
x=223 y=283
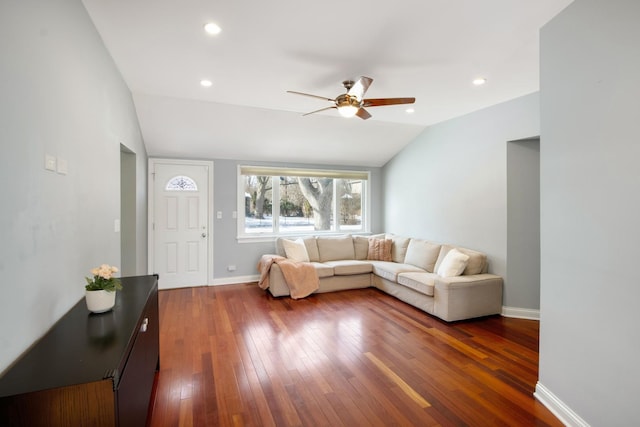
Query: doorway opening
x=128 y=231
x=523 y=229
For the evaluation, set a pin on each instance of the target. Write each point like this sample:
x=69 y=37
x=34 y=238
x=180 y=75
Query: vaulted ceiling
x=427 y=49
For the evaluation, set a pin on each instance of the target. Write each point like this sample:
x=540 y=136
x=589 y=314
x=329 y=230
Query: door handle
x=204 y=234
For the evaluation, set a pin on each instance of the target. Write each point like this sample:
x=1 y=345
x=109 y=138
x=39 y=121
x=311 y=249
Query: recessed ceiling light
x=206 y=83
x=212 y=28
x=479 y=81
x=410 y=110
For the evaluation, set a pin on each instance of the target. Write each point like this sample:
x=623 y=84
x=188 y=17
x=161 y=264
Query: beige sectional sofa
x=411 y=275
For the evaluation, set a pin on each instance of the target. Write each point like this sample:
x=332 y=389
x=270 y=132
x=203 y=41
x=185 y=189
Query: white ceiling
x=428 y=49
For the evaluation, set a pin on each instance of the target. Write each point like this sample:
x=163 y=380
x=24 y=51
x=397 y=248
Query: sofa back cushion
x=361 y=247
x=280 y=247
x=477 y=260
x=423 y=254
x=399 y=247
x=312 y=248
x=336 y=248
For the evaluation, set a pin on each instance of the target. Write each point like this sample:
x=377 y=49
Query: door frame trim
x=152 y=161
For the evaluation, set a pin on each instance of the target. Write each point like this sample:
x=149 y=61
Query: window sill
x=272 y=237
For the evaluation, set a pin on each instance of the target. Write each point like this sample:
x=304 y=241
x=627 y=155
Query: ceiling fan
x=352 y=103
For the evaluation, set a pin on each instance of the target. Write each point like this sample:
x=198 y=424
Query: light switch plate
x=63 y=166
x=49 y=162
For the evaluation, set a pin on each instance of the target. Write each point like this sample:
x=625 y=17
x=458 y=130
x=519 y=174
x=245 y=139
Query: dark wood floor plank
x=235 y=356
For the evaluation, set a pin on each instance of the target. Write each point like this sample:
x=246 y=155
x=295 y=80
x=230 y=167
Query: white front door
x=179 y=222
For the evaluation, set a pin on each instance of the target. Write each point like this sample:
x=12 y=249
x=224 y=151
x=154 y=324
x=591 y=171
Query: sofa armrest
x=465 y=297
x=275 y=255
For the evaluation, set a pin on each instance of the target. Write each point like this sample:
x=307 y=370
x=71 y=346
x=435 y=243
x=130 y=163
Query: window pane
x=305 y=204
x=181 y=183
x=257 y=204
x=350 y=204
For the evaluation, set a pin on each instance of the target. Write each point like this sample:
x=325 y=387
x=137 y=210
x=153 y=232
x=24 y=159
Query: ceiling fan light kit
x=348 y=111
x=348 y=105
x=352 y=103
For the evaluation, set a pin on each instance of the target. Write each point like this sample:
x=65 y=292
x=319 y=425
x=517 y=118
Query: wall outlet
x=231 y=268
x=219 y=215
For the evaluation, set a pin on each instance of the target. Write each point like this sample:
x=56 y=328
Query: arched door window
x=181 y=183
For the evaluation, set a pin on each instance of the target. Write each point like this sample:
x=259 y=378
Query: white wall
x=61 y=95
x=590 y=206
x=450 y=184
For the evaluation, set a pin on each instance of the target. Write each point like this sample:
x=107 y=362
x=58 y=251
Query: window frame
x=276 y=172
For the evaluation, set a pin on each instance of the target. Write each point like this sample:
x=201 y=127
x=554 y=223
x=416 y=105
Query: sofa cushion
x=389 y=270
x=477 y=260
x=421 y=282
x=312 y=248
x=279 y=247
x=348 y=267
x=453 y=264
x=399 y=247
x=295 y=250
x=379 y=249
x=336 y=248
x=323 y=270
x=423 y=254
x=309 y=243
x=361 y=247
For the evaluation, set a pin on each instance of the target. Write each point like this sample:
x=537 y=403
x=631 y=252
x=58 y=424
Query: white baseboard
x=235 y=280
x=515 y=312
x=558 y=408
x=521 y=313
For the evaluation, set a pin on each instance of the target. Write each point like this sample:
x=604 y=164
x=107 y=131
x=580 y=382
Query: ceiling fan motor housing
x=346 y=100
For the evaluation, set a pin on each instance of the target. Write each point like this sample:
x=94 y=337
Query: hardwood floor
x=235 y=356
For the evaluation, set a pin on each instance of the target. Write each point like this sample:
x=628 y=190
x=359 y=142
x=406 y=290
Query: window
x=276 y=201
x=181 y=183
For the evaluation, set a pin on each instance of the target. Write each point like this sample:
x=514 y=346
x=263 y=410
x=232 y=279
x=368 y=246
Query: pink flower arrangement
x=103 y=279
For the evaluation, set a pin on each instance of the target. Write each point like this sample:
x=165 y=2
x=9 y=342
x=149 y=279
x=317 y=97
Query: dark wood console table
x=89 y=369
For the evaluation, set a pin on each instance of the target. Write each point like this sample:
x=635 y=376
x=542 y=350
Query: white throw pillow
x=453 y=264
x=295 y=250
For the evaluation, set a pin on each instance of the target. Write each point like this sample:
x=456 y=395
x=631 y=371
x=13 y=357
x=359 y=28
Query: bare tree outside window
x=264 y=185
x=319 y=194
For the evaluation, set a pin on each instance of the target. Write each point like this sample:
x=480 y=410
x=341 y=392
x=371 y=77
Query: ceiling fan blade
x=322 y=109
x=363 y=114
x=313 y=96
x=360 y=87
x=375 y=102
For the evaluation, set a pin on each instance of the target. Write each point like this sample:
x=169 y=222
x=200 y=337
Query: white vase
x=100 y=301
